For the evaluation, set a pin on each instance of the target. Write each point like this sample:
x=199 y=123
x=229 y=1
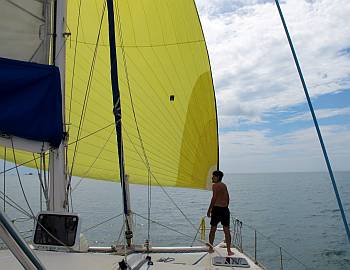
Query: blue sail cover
x=30 y=101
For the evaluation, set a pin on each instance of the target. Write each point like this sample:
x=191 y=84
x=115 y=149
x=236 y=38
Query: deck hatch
x=231 y=262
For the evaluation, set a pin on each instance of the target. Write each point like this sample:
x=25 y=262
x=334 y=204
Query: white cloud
x=257 y=151
x=253 y=69
x=320 y=114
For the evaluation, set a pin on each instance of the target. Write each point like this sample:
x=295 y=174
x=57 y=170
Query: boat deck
x=161 y=260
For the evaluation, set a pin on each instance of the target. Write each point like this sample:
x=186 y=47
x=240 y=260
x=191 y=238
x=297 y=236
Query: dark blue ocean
x=296 y=212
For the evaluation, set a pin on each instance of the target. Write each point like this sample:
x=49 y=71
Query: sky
x=264 y=121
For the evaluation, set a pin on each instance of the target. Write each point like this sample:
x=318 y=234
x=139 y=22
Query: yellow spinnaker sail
x=167 y=96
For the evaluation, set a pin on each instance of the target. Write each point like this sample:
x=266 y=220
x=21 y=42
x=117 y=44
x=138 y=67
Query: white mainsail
x=25 y=29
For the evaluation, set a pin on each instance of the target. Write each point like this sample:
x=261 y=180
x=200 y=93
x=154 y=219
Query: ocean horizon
x=296 y=211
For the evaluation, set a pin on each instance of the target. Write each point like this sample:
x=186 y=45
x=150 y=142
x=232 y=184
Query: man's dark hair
x=219 y=174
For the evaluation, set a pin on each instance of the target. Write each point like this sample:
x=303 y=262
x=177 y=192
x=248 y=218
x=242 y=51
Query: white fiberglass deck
x=171 y=260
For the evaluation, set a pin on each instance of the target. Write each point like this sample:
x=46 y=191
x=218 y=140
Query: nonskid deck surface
x=171 y=260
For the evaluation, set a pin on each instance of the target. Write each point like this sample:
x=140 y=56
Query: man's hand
x=209 y=212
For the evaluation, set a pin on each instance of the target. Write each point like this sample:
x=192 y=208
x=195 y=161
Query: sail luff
x=215 y=103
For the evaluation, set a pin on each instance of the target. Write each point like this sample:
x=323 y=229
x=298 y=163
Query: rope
x=194 y=239
x=74 y=61
x=86 y=97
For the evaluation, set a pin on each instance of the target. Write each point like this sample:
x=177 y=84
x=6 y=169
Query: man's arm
x=228 y=197
x=213 y=200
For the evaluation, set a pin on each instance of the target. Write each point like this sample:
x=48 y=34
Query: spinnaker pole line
x=117 y=111
x=329 y=167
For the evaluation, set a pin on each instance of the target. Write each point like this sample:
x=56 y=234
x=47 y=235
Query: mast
x=57 y=168
x=117 y=111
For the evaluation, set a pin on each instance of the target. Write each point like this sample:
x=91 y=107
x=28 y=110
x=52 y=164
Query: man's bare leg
x=227 y=240
x=211 y=238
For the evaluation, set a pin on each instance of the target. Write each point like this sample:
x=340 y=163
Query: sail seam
x=145 y=46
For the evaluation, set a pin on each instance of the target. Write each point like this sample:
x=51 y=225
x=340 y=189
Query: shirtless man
x=219 y=212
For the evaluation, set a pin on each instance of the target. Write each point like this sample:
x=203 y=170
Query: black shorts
x=220 y=214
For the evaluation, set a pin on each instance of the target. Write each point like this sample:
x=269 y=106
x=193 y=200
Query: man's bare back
x=221 y=195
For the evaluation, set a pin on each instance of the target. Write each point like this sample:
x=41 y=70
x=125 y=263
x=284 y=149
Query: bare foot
x=210 y=247
x=230 y=253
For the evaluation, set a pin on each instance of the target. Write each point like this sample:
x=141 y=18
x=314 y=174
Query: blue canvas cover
x=30 y=101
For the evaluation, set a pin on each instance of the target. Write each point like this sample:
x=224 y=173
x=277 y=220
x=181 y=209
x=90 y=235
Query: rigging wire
x=86 y=97
x=73 y=142
x=163 y=189
x=93 y=163
x=28 y=12
x=272 y=242
x=120 y=233
x=40 y=177
x=145 y=160
x=41 y=186
x=43 y=157
x=73 y=69
x=14 y=205
x=101 y=223
x=169 y=228
x=4 y=183
x=41 y=182
x=31 y=214
x=149 y=183
x=65 y=35
x=329 y=167
x=20 y=181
